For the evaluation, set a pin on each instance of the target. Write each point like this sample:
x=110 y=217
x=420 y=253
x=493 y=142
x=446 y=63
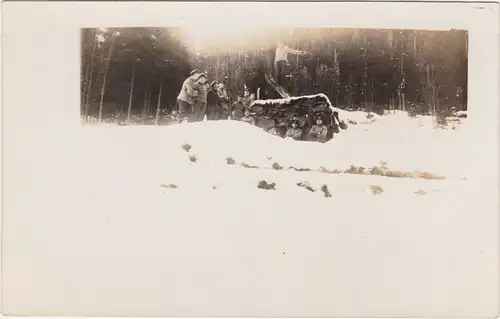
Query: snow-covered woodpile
x=305 y=110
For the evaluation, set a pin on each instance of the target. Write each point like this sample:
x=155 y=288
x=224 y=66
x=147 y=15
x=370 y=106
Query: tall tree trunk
x=366 y=99
x=400 y=105
x=89 y=84
x=392 y=102
x=373 y=98
x=217 y=67
x=159 y=101
x=88 y=68
x=365 y=75
x=402 y=101
x=403 y=80
x=414 y=43
x=434 y=95
x=144 y=107
x=297 y=56
x=87 y=97
x=103 y=88
x=148 y=107
x=131 y=93
x=466 y=43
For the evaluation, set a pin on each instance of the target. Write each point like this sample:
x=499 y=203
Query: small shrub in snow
x=193 y=158
x=398 y=174
x=230 y=161
x=186 y=147
x=376 y=190
x=325 y=191
x=325 y=170
x=352 y=122
x=376 y=170
x=384 y=171
x=355 y=170
x=267 y=186
x=328 y=171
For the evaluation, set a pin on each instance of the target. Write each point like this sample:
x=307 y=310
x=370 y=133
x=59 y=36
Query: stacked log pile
x=279 y=113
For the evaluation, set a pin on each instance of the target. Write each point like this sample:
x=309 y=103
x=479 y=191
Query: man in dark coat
x=213 y=103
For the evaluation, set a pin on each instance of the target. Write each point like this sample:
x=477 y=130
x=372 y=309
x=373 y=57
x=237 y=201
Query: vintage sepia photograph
x=190 y=159
x=307 y=104
x=273 y=78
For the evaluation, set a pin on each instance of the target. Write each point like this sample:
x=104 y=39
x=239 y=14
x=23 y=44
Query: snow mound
x=358 y=117
x=400 y=142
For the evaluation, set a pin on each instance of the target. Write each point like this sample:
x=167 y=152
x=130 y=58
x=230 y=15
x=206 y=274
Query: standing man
x=200 y=101
x=185 y=99
x=213 y=103
x=281 y=58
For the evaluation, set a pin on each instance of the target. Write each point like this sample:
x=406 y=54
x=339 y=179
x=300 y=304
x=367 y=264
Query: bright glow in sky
x=197 y=35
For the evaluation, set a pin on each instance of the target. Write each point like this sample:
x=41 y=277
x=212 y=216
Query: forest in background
x=139 y=71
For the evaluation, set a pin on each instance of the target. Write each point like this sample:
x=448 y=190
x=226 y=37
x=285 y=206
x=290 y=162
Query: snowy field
x=178 y=201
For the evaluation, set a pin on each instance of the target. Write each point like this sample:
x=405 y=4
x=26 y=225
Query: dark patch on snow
x=300 y=169
x=382 y=171
x=376 y=189
x=420 y=192
x=342 y=125
x=193 y=158
x=245 y=165
x=169 y=186
x=307 y=186
x=230 y=161
x=267 y=186
x=325 y=190
x=277 y=166
x=186 y=147
x=427 y=175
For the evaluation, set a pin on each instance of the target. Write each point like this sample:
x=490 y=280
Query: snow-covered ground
x=207 y=234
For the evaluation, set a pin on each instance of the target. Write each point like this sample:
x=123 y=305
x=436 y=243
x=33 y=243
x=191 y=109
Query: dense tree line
x=140 y=70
